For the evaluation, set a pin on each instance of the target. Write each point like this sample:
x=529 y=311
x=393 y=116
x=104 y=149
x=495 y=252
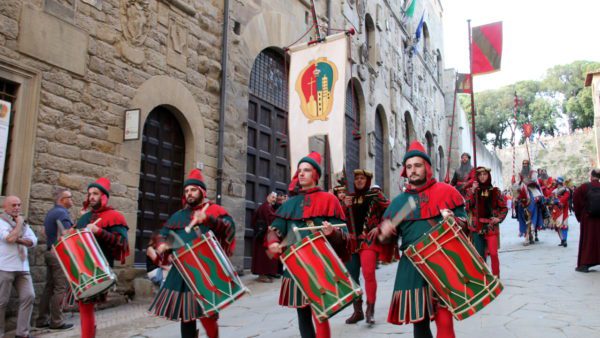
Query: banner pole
x=472 y=97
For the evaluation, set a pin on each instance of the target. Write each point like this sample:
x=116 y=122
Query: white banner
x=5 y=107
x=318 y=97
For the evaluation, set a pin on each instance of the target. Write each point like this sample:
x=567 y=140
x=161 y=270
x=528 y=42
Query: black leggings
x=305 y=323
x=421 y=329
x=188 y=330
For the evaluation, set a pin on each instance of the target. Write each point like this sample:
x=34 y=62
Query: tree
x=565 y=83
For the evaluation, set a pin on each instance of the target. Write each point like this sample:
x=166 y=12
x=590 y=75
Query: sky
x=537 y=35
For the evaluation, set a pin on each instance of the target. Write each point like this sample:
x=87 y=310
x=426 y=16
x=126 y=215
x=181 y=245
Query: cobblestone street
x=543 y=297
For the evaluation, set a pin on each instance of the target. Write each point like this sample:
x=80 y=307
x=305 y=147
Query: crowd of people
x=360 y=223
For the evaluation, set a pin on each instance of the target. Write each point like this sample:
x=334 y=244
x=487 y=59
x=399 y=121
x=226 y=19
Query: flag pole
x=447 y=178
x=472 y=97
x=513 y=136
x=315 y=20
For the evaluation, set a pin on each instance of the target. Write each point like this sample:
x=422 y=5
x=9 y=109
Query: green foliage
x=567 y=81
x=542 y=103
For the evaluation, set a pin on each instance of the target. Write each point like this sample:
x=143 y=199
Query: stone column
x=593 y=79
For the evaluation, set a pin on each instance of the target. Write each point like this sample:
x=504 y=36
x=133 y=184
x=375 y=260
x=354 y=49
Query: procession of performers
x=360 y=226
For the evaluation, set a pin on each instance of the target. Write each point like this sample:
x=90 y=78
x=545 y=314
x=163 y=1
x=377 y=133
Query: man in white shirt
x=15 y=237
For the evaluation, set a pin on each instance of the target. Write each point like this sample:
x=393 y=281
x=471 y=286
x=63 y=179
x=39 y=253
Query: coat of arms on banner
x=314 y=86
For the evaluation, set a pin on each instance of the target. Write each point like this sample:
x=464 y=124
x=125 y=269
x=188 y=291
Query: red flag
x=486 y=48
x=527 y=129
x=463 y=83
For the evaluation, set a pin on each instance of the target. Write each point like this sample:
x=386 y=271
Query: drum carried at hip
x=454 y=269
x=210 y=275
x=321 y=276
x=87 y=270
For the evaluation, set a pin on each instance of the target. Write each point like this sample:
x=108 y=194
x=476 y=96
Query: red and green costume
x=311 y=205
x=412 y=300
x=175 y=301
x=112 y=239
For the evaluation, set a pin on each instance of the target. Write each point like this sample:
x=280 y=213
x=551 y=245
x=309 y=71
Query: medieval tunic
x=311 y=205
x=485 y=203
x=589 y=237
x=175 y=301
x=367 y=210
x=261 y=220
x=412 y=297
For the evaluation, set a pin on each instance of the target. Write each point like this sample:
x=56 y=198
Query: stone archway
x=172 y=94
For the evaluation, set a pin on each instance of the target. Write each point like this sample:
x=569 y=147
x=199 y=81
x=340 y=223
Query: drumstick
x=193 y=222
x=296 y=229
x=401 y=215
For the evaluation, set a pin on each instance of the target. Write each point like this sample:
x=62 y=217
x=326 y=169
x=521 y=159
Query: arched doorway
x=352 y=134
x=161 y=176
x=267 y=164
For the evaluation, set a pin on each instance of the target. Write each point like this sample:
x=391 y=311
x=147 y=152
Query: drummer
x=308 y=202
x=175 y=301
x=413 y=300
x=110 y=229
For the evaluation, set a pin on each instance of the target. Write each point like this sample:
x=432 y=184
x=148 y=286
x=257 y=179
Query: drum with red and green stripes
x=84 y=264
x=454 y=270
x=208 y=272
x=320 y=275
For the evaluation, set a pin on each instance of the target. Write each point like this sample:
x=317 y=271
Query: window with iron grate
x=268 y=80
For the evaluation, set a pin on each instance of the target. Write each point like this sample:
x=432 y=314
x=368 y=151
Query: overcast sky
x=538 y=34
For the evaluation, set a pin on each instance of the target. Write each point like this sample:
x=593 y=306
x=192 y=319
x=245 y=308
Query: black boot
x=370 y=313
x=358 y=314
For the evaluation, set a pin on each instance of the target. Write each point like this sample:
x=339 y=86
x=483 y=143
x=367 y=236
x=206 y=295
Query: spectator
x=15 y=237
x=157 y=264
x=51 y=304
x=262 y=264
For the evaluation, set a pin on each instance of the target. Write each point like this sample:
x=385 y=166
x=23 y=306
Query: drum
x=84 y=264
x=210 y=275
x=454 y=269
x=320 y=275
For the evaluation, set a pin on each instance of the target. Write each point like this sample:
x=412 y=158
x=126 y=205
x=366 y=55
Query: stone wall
x=572 y=156
x=93 y=58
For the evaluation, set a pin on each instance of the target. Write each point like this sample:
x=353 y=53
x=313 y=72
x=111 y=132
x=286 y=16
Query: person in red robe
x=589 y=236
x=263 y=265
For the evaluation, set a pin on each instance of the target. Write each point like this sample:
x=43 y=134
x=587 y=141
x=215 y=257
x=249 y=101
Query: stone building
x=72 y=68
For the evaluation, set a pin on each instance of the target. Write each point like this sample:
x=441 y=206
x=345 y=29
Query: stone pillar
x=593 y=79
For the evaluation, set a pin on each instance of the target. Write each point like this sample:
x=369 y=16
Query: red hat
x=103 y=184
x=195 y=178
x=416 y=148
x=314 y=159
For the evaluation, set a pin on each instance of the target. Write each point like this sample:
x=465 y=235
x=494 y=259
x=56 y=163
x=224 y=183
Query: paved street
x=543 y=297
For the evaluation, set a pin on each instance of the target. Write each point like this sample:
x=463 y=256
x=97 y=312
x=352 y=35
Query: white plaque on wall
x=132 y=124
x=5 y=107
